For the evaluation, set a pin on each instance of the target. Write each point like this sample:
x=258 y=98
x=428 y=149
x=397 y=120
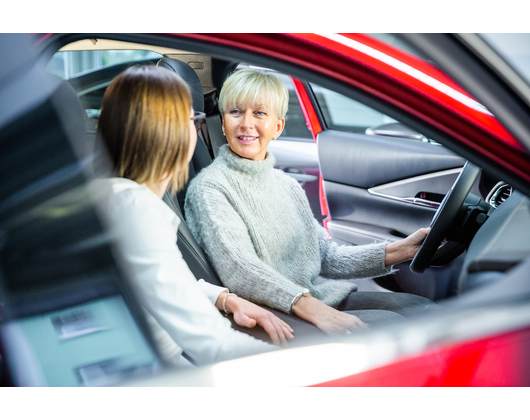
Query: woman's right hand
x=326 y=318
x=340 y=323
x=247 y=314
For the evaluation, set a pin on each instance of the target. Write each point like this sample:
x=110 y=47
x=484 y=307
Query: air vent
x=499 y=194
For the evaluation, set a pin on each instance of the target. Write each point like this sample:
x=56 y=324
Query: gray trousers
x=404 y=304
x=373 y=308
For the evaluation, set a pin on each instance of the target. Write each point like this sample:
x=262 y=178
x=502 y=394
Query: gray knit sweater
x=257 y=229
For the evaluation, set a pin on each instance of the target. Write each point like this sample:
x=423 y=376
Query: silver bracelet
x=304 y=292
x=295 y=299
x=224 y=301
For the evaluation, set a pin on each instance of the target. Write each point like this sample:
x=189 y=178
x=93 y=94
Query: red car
x=365 y=103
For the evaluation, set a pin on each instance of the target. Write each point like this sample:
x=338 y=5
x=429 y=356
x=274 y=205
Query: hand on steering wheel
x=445 y=217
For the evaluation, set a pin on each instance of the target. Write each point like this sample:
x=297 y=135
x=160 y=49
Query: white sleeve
x=211 y=291
x=169 y=291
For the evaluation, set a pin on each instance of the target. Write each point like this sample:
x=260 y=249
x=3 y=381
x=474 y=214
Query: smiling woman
x=253 y=107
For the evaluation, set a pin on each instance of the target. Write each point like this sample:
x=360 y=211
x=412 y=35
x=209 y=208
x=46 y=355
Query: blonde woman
x=149 y=129
x=257 y=228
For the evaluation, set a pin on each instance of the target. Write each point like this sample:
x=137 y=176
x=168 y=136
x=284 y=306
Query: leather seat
x=189 y=76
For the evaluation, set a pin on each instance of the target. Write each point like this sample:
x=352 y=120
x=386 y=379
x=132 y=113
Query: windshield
x=514 y=49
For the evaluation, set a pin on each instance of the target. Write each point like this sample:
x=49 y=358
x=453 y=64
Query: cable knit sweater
x=257 y=229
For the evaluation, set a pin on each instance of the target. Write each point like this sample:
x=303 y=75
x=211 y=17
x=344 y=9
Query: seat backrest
x=189 y=76
x=190 y=249
x=201 y=157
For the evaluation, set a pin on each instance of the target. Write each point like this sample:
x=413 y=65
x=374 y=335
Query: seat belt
x=212 y=135
x=217 y=139
x=204 y=135
x=212 y=131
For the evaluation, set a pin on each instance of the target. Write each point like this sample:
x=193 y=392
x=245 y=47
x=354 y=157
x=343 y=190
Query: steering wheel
x=444 y=217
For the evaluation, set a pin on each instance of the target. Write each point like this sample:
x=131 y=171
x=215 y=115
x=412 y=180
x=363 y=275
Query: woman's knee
x=377 y=316
x=403 y=303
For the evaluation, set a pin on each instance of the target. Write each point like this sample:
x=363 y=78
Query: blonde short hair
x=144 y=124
x=258 y=88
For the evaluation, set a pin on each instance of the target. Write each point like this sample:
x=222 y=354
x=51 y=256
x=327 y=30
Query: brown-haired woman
x=147 y=124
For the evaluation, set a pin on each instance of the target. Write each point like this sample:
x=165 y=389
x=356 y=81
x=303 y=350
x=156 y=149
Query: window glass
x=514 y=48
x=295 y=126
x=345 y=114
x=90 y=72
x=69 y=64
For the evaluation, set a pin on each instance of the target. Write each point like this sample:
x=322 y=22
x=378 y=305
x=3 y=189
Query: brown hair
x=144 y=124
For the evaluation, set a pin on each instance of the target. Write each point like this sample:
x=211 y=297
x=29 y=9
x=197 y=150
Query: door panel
x=374 y=180
x=356 y=205
x=424 y=190
x=367 y=161
x=383 y=189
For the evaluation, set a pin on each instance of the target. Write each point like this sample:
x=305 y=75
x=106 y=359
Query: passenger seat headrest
x=72 y=115
x=189 y=76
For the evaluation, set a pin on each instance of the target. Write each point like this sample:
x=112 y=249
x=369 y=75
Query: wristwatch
x=304 y=292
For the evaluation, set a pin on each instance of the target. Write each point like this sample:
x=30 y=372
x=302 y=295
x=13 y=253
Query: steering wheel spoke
x=431 y=250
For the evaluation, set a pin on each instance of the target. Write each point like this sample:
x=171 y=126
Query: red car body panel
x=315 y=127
x=307 y=108
x=499 y=360
x=496 y=360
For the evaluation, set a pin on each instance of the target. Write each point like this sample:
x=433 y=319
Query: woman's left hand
x=405 y=249
x=248 y=315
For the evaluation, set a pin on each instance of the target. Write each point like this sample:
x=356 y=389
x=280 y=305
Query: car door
x=378 y=186
x=382 y=181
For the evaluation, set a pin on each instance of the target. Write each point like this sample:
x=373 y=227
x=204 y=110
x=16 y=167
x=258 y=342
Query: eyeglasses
x=198 y=118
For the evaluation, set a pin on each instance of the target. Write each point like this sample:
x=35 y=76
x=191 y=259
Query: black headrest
x=189 y=76
x=72 y=114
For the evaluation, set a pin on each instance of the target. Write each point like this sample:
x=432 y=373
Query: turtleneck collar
x=254 y=168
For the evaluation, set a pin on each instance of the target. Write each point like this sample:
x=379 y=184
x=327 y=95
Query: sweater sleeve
x=350 y=262
x=221 y=232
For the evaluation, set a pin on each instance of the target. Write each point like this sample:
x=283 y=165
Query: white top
x=145 y=229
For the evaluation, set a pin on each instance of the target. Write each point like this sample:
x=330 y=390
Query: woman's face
x=249 y=130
